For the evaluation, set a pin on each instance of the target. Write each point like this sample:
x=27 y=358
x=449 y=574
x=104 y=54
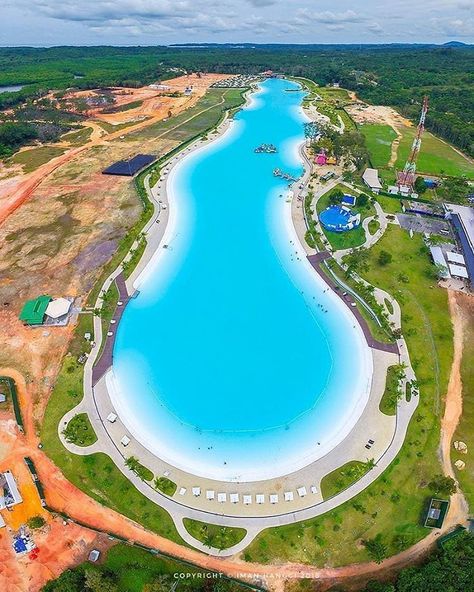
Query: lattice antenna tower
x=406 y=178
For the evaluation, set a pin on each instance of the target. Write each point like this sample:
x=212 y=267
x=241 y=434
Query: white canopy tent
x=58 y=308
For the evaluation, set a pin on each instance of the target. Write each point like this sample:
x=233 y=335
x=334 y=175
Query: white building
x=9 y=494
x=371 y=179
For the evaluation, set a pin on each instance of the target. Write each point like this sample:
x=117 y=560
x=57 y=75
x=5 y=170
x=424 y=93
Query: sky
x=163 y=22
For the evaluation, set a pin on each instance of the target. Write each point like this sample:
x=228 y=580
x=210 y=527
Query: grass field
x=33 y=158
x=212 y=535
x=342 y=477
x=379 y=139
x=394 y=504
x=352 y=238
x=436 y=157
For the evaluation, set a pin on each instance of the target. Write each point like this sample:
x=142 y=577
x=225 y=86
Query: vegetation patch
x=165 y=485
x=33 y=158
x=393 y=392
x=373 y=226
x=436 y=157
x=140 y=470
x=344 y=477
x=213 y=535
x=79 y=431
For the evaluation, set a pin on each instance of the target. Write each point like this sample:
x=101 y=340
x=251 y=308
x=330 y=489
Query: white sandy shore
x=166 y=259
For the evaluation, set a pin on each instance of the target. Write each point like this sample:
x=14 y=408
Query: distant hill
x=454 y=44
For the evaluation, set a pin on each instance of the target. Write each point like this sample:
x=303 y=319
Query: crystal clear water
x=235 y=361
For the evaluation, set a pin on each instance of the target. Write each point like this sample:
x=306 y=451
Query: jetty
x=266 y=149
x=283 y=175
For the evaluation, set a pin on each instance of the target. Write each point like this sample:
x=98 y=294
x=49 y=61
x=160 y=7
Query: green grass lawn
x=165 y=485
x=373 y=226
x=436 y=157
x=79 y=431
x=351 y=238
x=465 y=431
x=393 y=505
x=212 y=535
x=342 y=477
x=378 y=139
x=35 y=157
x=390 y=205
x=388 y=403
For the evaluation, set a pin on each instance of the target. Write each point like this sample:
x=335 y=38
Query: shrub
x=36 y=522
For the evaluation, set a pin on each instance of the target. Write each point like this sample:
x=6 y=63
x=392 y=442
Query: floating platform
x=266 y=149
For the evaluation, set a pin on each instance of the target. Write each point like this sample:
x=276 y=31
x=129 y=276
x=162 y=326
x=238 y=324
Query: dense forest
x=389 y=75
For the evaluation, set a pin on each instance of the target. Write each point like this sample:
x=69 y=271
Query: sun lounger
x=182 y=491
x=314 y=489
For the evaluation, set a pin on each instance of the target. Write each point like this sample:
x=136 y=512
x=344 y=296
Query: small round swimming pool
x=339 y=218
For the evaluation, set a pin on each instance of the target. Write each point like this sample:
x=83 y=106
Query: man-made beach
x=232 y=301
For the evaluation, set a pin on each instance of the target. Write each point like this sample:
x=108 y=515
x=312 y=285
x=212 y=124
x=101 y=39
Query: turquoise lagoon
x=234 y=361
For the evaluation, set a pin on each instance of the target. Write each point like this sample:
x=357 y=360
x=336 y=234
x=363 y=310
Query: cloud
x=375 y=28
x=176 y=21
x=262 y=3
x=328 y=17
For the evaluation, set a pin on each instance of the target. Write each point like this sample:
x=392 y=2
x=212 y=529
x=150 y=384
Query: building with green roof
x=33 y=311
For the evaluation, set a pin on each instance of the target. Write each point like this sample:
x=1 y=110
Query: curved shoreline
x=97 y=405
x=305 y=451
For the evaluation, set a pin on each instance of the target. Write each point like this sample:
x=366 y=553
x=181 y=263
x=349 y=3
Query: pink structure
x=321 y=159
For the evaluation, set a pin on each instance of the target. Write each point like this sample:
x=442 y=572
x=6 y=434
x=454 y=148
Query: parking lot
x=425 y=224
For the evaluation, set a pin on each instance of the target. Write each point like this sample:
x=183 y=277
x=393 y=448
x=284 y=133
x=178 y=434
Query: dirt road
x=15 y=191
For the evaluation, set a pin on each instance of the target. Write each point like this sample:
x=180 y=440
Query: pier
x=283 y=175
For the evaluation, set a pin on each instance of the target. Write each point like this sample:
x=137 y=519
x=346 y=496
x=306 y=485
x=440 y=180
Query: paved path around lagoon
x=109 y=445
